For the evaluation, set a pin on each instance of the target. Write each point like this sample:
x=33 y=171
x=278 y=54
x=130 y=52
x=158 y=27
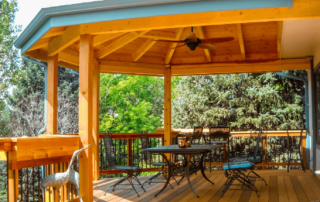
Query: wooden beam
x=40 y=44
x=167 y=106
x=240 y=67
x=97 y=40
x=70 y=56
x=43 y=56
x=114 y=67
x=10 y=183
x=69 y=36
x=95 y=120
x=143 y=49
x=279 y=39
x=241 y=42
x=85 y=115
x=53 y=33
x=206 y=51
x=173 y=46
x=302 y=9
x=52 y=95
x=118 y=44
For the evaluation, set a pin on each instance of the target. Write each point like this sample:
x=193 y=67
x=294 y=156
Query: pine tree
x=241 y=101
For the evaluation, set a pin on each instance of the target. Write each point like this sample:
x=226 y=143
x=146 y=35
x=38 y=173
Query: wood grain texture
x=167 y=106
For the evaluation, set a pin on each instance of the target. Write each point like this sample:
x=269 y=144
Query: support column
x=52 y=95
x=95 y=120
x=85 y=115
x=167 y=106
x=10 y=181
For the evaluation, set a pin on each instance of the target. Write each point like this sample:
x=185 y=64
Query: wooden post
x=167 y=106
x=56 y=193
x=52 y=95
x=304 y=152
x=16 y=184
x=85 y=116
x=10 y=181
x=264 y=147
x=95 y=120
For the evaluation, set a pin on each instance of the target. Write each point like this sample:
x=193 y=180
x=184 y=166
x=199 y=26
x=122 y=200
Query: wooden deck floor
x=295 y=186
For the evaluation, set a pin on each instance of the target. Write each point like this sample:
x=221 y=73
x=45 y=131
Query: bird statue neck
x=70 y=164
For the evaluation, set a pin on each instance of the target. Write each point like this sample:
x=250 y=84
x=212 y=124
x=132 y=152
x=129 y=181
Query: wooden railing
x=30 y=158
x=270 y=161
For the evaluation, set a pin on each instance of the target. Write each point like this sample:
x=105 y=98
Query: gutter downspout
x=306 y=109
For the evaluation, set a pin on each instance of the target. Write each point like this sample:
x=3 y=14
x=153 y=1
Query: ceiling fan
x=192 y=41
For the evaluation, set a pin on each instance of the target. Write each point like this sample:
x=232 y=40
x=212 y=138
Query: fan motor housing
x=192 y=44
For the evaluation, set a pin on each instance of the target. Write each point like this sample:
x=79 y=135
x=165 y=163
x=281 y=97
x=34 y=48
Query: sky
x=28 y=9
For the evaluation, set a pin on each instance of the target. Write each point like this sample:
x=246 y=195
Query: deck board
x=295 y=186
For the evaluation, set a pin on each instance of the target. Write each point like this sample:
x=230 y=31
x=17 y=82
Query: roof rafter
x=119 y=43
x=97 y=40
x=241 y=41
x=206 y=51
x=143 y=49
x=173 y=46
x=69 y=36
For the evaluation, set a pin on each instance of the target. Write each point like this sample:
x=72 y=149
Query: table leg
x=202 y=169
x=188 y=177
x=169 y=174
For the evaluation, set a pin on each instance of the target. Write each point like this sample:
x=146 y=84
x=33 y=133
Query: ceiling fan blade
x=207 y=46
x=217 y=40
x=179 y=46
x=173 y=41
x=192 y=36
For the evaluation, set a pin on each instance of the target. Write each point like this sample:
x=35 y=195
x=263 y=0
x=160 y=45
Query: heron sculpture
x=58 y=180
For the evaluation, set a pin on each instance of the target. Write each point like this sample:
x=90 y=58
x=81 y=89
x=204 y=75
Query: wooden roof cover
x=132 y=43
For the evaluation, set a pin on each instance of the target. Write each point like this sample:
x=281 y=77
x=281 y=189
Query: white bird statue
x=75 y=180
x=58 y=180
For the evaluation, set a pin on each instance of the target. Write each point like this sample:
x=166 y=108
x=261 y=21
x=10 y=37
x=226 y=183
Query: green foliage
x=242 y=101
x=131 y=103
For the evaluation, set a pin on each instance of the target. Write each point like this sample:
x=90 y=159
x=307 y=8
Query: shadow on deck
x=282 y=187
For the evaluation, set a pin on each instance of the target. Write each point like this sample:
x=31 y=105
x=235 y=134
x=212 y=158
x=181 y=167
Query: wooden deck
x=295 y=186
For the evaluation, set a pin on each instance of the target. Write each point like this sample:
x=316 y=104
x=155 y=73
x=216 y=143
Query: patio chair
x=218 y=133
x=234 y=170
x=250 y=156
x=131 y=171
x=148 y=158
x=197 y=134
x=293 y=147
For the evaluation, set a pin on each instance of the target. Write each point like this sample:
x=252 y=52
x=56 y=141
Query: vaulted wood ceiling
x=252 y=42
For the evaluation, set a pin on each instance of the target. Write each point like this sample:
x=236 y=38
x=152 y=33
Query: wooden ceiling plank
x=70 y=35
x=97 y=40
x=158 y=34
x=241 y=41
x=143 y=49
x=39 y=45
x=279 y=38
x=240 y=67
x=173 y=46
x=118 y=44
x=206 y=51
x=115 y=67
x=301 y=9
x=53 y=33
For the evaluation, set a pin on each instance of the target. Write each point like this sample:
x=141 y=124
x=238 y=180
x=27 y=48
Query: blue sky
x=28 y=9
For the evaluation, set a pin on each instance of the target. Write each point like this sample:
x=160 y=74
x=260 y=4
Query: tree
x=241 y=101
x=131 y=103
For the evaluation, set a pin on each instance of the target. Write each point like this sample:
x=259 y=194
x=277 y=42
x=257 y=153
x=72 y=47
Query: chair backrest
x=197 y=134
x=144 y=145
x=256 y=148
x=109 y=149
x=219 y=132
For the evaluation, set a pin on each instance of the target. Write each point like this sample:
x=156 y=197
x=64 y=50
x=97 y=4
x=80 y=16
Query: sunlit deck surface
x=282 y=186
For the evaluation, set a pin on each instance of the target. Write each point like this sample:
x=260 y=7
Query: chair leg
x=210 y=160
x=301 y=160
x=130 y=181
x=258 y=176
x=136 y=178
x=228 y=184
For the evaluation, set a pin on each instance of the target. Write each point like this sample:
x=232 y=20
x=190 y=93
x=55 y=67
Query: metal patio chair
x=132 y=171
x=235 y=170
x=218 y=133
x=294 y=147
x=148 y=158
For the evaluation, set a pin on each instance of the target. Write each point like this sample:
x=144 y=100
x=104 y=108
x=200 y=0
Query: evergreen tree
x=241 y=101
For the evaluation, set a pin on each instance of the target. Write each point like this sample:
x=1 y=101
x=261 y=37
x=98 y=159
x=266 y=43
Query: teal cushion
x=245 y=158
x=237 y=165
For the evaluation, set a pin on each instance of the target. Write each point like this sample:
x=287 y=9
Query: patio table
x=190 y=151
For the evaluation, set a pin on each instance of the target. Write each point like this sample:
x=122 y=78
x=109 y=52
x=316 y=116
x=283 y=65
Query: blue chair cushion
x=237 y=165
x=159 y=163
